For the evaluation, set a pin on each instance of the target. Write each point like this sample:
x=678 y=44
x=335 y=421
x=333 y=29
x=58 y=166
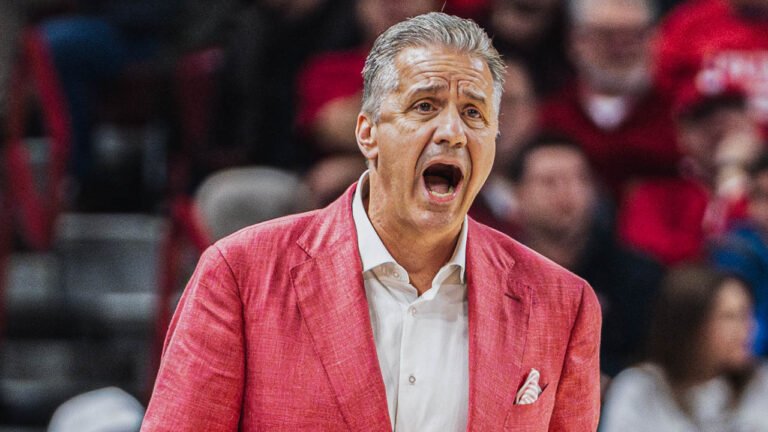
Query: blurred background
x=136 y=133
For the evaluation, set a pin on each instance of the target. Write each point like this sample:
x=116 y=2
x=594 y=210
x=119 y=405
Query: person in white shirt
x=700 y=376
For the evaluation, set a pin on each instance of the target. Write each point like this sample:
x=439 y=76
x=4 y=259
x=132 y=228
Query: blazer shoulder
x=526 y=265
x=276 y=235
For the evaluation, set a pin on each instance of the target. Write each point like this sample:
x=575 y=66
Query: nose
x=450 y=128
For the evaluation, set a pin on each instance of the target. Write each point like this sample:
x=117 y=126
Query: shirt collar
x=373 y=253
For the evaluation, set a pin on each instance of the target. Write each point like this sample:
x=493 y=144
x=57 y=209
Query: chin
x=432 y=221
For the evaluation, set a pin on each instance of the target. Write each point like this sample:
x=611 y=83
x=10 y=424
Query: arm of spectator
x=200 y=383
x=577 y=402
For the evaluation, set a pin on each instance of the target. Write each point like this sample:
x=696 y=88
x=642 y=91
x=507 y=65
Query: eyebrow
x=436 y=87
x=472 y=94
x=428 y=88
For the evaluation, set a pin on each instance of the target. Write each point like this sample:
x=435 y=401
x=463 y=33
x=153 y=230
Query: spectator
x=559 y=219
x=672 y=218
x=532 y=30
x=496 y=205
x=622 y=122
x=744 y=250
x=699 y=375
x=717 y=43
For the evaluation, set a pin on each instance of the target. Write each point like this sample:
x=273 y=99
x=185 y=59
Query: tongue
x=437 y=184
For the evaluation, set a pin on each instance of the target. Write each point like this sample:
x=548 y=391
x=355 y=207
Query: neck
x=421 y=254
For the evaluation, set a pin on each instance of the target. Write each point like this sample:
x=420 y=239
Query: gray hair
x=435 y=28
x=579 y=10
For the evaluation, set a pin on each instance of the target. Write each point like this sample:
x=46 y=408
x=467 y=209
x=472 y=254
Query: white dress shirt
x=421 y=341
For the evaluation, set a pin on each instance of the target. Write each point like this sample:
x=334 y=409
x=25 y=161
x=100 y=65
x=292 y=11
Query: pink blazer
x=273 y=334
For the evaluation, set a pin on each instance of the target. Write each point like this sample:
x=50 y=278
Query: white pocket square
x=530 y=390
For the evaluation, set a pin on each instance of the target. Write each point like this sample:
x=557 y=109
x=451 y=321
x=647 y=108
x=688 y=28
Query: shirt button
x=412 y=310
x=396 y=275
x=412 y=379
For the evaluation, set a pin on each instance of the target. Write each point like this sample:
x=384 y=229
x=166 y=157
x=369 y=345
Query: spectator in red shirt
x=611 y=109
x=718 y=44
x=672 y=218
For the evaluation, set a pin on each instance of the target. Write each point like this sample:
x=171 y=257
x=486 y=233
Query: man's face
x=433 y=145
x=556 y=192
x=611 y=46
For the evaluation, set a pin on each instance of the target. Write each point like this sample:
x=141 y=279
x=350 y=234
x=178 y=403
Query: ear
x=365 y=132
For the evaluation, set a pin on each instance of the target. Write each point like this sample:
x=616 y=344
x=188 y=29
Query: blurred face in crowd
x=610 y=45
x=521 y=22
x=375 y=16
x=518 y=115
x=556 y=191
x=727 y=334
x=724 y=135
x=432 y=147
x=758 y=201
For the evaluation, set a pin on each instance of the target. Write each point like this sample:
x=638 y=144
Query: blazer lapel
x=331 y=298
x=498 y=309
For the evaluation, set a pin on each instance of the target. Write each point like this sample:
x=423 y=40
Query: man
x=559 y=218
x=389 y=309
x=611 y=109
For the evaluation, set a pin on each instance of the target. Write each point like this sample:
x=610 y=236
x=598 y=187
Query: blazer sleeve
x=199 y=386
x=577 y=401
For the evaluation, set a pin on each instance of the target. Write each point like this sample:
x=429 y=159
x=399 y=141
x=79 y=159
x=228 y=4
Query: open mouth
x=442 y=180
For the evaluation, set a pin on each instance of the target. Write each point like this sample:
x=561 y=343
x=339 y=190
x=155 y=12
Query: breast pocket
x=532 y=417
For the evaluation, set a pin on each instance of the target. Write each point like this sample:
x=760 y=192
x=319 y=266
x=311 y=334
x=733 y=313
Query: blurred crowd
x=632 y=151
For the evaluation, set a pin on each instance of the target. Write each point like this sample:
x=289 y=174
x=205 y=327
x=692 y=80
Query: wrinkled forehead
x=437 y=68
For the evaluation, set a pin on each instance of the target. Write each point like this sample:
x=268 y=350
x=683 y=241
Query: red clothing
x=671 y=219
x=326 y=77
x=708 y=44
x=643 y=145
x=664 y=219
x=273 y=333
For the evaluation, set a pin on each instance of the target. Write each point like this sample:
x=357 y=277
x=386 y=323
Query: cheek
x=482 y=153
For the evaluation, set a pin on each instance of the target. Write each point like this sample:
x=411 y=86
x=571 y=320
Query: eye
x=425 y=107
x=473 y=113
